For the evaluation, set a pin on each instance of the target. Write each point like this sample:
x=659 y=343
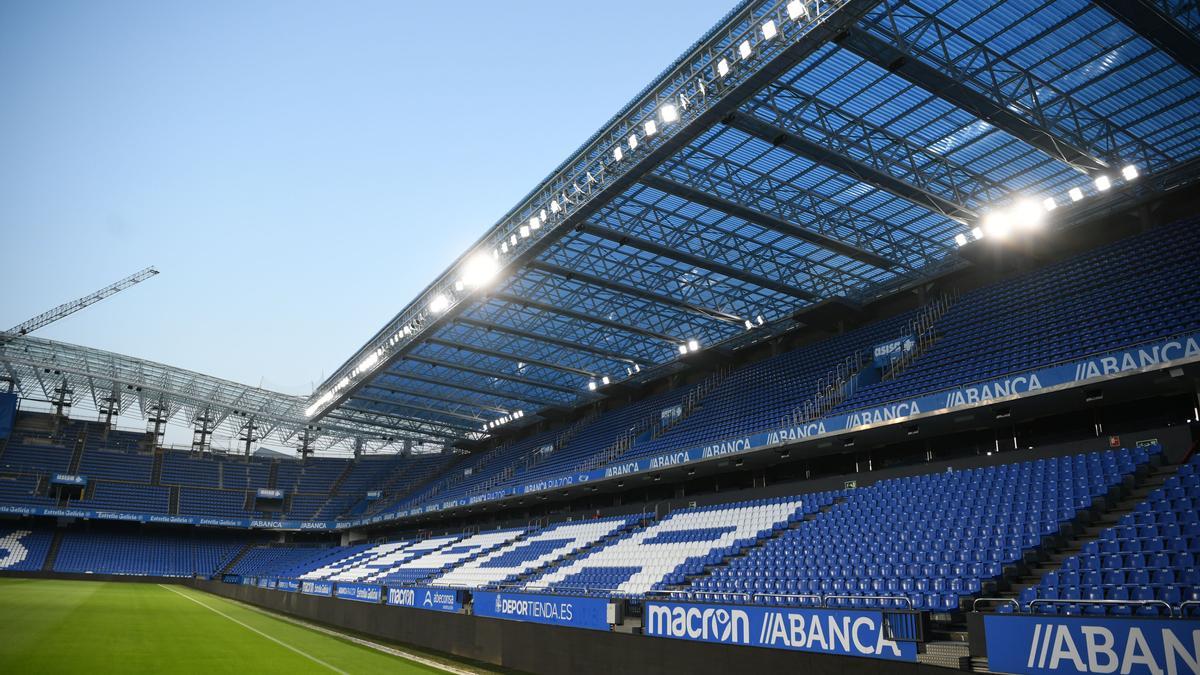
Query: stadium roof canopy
x=77 y=376
x=800 y=151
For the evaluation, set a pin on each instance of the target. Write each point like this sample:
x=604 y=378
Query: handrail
x=825 y=599
x=1170 y=610
x=1185 y=604
x=1013 y=601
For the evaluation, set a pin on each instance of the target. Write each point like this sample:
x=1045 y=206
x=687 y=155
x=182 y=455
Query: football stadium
x=865 y=338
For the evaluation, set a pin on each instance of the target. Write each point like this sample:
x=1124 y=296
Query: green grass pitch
x=53 y=626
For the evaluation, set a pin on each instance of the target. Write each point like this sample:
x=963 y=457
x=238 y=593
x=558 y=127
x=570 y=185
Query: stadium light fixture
x=1027 y=214
x=535 y=223
x=1130 y=172
x=796 y=9
x=669 y=113
x=592 y=385
x=745 y=50
x=479 y=270
x=512 y=240
x=693 y=345
x=768 y=30
x=997 y=224
x=683 y=349
x=759 y=319
x=604 y=380
x=439 y=303
x=650 y=128
x=633 y=141
x=977 y=232
x=722 y=68
x=1103 y=182
x=1049 y=204
x=960 y=239
x=749 y=324
x=554 y=207
x=1075 y=194
x=617 y=156
x=524 y=230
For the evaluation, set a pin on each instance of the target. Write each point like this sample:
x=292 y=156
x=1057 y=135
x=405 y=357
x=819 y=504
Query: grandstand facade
x=868 y=331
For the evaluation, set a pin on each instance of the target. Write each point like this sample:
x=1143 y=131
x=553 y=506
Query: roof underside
x=833 y=164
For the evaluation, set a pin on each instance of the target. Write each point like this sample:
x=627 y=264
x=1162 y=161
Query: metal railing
x=1031 y=607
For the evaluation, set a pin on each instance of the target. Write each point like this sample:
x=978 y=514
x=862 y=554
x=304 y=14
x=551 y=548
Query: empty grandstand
x=868 y=331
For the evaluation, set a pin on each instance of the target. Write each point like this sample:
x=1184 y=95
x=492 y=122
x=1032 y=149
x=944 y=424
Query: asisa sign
x=1036 y=644
x=828 y=631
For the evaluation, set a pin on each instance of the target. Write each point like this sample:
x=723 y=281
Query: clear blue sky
x=298 y=171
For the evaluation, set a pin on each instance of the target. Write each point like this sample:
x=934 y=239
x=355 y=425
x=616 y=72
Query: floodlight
x=796 y=9
x=997 y=224
x=1049 y=204
x=633 y=141
x=650 y=127
x=668 y=113
x=759 y=319
x=1075 y=194
x=722 y=68
x=1103 y=183
x=592 y=385
x=977 y=232
x=459 y=286
x=1129 y=172
x=478 y=270
x=749 y=324
x=744 y=49
x=535 y=223
x=693 y=345
x=617 y=154
x=524 y=230
x=513 y=239
x=1027 y=214
x=554 y=207
x=542 y=216
x=367 y=362
x=960 y=239
x=439 y=303
x=682 y=349
x=604 y=380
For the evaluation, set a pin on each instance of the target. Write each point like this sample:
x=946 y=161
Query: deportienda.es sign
x=829 y=631
x=556 y=610
x=1039 y=644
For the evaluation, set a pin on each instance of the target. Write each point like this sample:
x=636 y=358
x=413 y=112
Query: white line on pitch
x=386 y=649
x=248 y=627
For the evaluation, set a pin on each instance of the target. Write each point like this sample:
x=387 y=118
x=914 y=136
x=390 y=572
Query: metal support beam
x=626 y=289
x=1066 y=129
x=442 y=399
x=488 y=373
x=586 y=318
x=358 y=396
x=764 y=220
x=466 y=387
x=749 y=124
x=696 y=261
x=558 y=342
x=1150 y=20
x=512 y=357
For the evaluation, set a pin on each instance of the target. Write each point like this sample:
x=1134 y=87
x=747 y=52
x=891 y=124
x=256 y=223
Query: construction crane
x=69 y=308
